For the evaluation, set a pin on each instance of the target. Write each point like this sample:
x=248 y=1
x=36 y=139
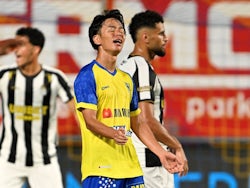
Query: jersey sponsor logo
x=106 y=113
x=28 y=113
x=118 y=112
x=121 y=112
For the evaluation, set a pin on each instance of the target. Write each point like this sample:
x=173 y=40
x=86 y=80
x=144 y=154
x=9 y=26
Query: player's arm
x=71 y=105
x=162 y=134
x=7 y=46
x=182 y=156
x=99 y=128
x=144 y=133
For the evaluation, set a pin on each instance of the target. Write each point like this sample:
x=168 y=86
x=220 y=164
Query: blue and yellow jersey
x=114 y=98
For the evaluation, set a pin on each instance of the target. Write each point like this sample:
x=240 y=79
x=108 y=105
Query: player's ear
x=145 y=37
x=97 y=39
x=37 y=49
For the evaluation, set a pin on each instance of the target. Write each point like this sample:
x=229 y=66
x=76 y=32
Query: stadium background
x=205 y=77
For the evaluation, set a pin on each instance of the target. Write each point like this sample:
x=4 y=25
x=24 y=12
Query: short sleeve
x=85 y=89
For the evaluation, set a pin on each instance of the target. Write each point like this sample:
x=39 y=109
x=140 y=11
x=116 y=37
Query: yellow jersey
x=114 y=97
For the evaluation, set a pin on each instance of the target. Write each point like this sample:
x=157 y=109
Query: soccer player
x=28 y=134
x=107 y=108
x=148 y=34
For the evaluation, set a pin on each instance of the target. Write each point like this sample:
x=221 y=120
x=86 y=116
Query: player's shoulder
x=87 y=69
x=86 y=73
x=133 y=60
x=55 y=72
x=132 y=64
x=7 y=68
x=52 y=70
x=136 y=58
x=123 y=72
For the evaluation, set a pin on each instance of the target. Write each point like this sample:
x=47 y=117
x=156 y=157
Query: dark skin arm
x=162 y=134
x=143 y=132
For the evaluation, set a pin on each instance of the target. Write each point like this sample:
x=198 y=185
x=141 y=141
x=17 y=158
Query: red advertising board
x=209 y=113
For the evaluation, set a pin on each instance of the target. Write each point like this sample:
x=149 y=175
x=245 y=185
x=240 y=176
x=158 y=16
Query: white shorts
x=157 y=177
x=40 y=176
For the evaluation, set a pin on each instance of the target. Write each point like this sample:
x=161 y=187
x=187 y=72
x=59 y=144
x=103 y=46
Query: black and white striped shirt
x=29 y=128
x=149 y=89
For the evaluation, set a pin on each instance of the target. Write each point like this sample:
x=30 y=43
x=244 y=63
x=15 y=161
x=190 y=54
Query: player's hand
x=185 y=169
x=183 y=162
x=120 y=136
x=8 y=45
x=170 y=163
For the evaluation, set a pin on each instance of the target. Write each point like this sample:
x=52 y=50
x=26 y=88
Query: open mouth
x=118 y=41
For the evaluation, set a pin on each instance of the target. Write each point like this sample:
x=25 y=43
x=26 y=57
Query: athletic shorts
x=39 y=176
x=157 y=177
x=105 y=182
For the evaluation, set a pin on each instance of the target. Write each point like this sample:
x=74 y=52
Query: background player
x=148 y=34
x=28 y=134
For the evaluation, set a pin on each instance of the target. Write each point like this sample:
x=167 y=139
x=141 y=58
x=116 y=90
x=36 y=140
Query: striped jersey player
x=29 y=95
x=28 y=132
x=148 y=34
x=149 y=89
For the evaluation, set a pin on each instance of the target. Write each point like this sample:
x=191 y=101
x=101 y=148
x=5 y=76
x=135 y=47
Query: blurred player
x=148 y=34
x=107 y=108
x=28 y=134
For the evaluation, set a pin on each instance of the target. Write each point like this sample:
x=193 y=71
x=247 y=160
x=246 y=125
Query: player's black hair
x=98 y=21
x=34 y=35
x=147 y=18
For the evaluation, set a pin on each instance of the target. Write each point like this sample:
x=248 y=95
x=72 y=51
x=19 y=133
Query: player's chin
x=19 y=63
x=116 y=52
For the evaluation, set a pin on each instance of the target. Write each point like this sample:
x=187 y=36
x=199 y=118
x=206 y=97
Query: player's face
x=25 y=52
x=112 y=36
x=158 y=40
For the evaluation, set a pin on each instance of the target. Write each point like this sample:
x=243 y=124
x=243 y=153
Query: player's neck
x=31 y=69
x=138 y=51
x=106 y=60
